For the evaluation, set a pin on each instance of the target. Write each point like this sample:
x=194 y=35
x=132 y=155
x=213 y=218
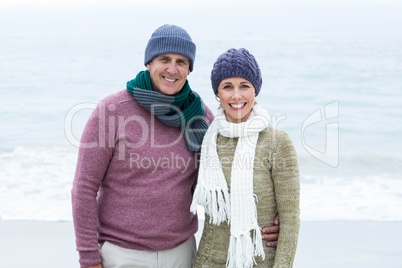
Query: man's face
x=169 y=73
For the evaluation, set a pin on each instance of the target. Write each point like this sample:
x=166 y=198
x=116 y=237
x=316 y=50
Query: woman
x=248 y=172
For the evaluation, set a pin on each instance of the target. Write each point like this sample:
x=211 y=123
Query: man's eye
x=182 y=63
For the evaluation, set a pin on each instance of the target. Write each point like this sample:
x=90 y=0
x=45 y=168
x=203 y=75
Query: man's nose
x=172 y=68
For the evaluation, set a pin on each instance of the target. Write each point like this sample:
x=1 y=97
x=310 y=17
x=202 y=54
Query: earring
x=217 y=98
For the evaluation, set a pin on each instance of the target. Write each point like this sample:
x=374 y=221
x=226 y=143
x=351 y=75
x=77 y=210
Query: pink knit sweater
x=133 y=182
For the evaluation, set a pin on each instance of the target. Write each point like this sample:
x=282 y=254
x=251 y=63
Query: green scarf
x=185 y=109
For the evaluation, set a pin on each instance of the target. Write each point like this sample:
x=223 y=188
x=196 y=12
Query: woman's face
x=237 y=97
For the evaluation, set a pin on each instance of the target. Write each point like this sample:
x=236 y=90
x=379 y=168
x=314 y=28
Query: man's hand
x=95 y=266
x=271 y=233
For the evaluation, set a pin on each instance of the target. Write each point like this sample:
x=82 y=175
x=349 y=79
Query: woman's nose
x=236 y=93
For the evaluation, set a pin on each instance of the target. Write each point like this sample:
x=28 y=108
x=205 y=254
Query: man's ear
x=188 y=73
x=148 y=67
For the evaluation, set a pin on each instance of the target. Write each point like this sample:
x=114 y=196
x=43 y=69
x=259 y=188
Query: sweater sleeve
x=285 y=174
x=93 y=158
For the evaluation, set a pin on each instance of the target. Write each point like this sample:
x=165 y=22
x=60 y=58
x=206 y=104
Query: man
x=137 y=164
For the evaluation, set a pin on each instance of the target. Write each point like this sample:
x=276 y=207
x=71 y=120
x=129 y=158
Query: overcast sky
x=224 y=16
x=4 y=3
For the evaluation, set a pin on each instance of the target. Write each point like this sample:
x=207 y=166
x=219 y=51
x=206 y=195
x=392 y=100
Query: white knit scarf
x=239 y=208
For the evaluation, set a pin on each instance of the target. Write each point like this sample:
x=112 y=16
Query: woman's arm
x=285 y=175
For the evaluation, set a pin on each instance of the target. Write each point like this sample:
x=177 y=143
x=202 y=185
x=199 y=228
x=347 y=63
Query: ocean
x=338 y=95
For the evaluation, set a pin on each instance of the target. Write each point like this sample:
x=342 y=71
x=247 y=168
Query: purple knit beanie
x=236 y=63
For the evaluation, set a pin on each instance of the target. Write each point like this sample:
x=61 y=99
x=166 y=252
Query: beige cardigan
x=277 y=186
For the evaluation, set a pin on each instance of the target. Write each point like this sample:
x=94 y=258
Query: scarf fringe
x=243 y=250
x=218 y=209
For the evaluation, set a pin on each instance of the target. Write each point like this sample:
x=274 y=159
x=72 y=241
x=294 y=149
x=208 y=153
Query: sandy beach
x=325 y=244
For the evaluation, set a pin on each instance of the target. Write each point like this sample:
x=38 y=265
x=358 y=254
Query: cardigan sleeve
x=93 y=159
x=285 y=175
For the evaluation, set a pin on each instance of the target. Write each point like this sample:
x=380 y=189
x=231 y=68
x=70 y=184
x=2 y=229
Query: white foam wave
x=35 y=184
x=351 y=198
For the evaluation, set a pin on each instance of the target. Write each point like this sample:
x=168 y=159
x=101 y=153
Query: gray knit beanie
x=170 y=39
x=236 y=63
